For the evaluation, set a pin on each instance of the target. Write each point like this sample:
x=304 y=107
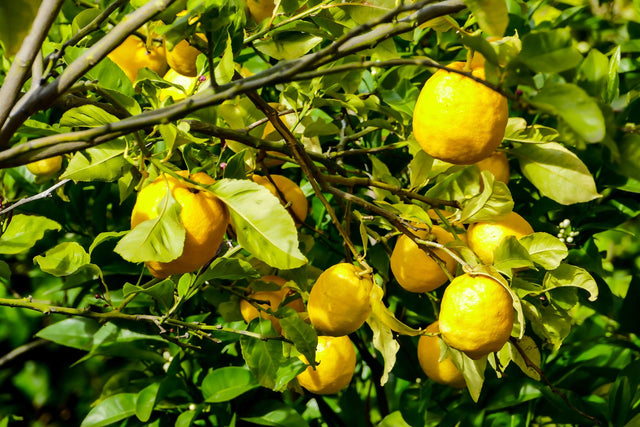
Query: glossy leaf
x=86 y=116
x=549 y=51
x=572 y=276
x=161 y=292
x=263 y=357
x=273 y=413
x=511 y=254
x=105 y=162
x=263 y=225
x=63 y=259
x=545 y=250
x=494 y=202
x=146 y=401
x=492 y=15
x=73 y=332
x=288 y=45
x=24 y=231
x=557 y=172
x=302 y=334
x=472 y=370
x=111 y=410
x=224 y=384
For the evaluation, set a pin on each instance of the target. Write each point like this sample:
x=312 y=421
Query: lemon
x=182 y=58
x=133 y=55
x=45 y=167
x=457 y=119
x=444 y=372
x=261 y=9
x=336 y=359
x=339 y=300
x=294 y=198
x=414 y=269
x=274 y=299
x=484 y=237
x=498 y=165
x=204 y=216
x=476 y=315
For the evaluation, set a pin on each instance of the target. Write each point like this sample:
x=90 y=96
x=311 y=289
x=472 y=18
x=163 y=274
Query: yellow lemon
x=45 y=167
x=339 y=300
x=457 y=119
x=336 y=359
x=293 y=195
x=483 y=237
x=498 y=165
x=182 y=58
x=414 y=269
x=273 y=300
x=133 y=55
x=476 y=315
x=204 y=216
x=444 y=372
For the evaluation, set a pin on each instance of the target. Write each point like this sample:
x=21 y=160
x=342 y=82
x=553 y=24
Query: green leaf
x=263 y=357
x=236 y=167
x=105 y=162
x=104 y=236
x=548 y=322
x=276 y=414
x=63 y=260
x=162 y=292
x=225 y=68
x=549 y=51
x=146 y=401
x=575 y=107
x=111 y=410
x=492 y=15
x=15 y=22
x=74 y=332
x=287 y=44
x=509 y=255
x=394 y=419
x=545 y=250
x=459 y=185
x=612 y=88
x=304 y=337
x=386 y=316
x=570 y=275
x=86 y=116
x=263 y=225
x=493 y=203
x=106 y=72
x=419 y=169
x=530 y=349
x=24 y=231
x=228 y=269
x=472 y=370
x=224 y=384
x=386 y=344
x=158 y=239
x=629 y=156
x=557 y=172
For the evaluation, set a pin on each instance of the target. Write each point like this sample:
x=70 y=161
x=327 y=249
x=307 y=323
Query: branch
x=21 y=65
x=46 y=193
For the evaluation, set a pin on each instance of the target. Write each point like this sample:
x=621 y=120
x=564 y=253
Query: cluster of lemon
x=461 y=121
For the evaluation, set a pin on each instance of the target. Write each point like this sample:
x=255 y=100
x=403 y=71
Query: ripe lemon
x=414 y=269
x=483 y=237
x=476 y=315
x=187 y=83
x=339 y=300
x=336 y=359
x=274 y=298
x=498 y=165
x=204 y=216
x=444 y=372
x=133 y=55
x=182 y=58
x=457 y=119
x=293 y=195
x=261 y=9
x=45 y=167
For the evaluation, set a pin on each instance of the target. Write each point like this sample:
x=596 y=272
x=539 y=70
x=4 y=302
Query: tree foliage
x=89 y=338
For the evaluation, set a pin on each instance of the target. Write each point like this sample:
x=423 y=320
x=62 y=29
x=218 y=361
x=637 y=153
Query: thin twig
x=46 y=193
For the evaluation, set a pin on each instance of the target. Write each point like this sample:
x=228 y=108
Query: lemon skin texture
x=338 y=303
x=274 y=298
x=204 y=216
x=182 y=58
x=444 y=372
x=336 y=359
x=498 y=165
x=292 y=194
x=261 y=9
x=457 y=119
x=45 y=167
x=133 y=55
x=483 y=237
x=414 y=269
x=476 y=315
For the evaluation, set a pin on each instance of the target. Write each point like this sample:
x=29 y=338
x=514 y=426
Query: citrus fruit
x=293 y=195
x=413 y=268
x=336 y=359
x=498 y=165
x=182 y=58
x=457 y=119
x=204 y=216
x=45 y=167
x=187 y=83
x=133 y=55
x=339 y=300
x=273 y=299
x=476 y=315
x=483 y=237
x=261 y=9
x=444 y=372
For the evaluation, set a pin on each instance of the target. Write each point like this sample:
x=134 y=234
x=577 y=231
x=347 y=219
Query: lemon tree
x=318 y=212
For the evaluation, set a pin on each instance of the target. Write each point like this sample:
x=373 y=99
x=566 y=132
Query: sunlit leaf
x=24 y=231
x=549 y=51
x=86 y=116
x=472 y=370
x=63 y=259
x=545 y=250
x=572 y=276
x=492 y=15
x=386 y=344
x=105 y=162
x=224 y=384
x=527 y=346
x=386 y=316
